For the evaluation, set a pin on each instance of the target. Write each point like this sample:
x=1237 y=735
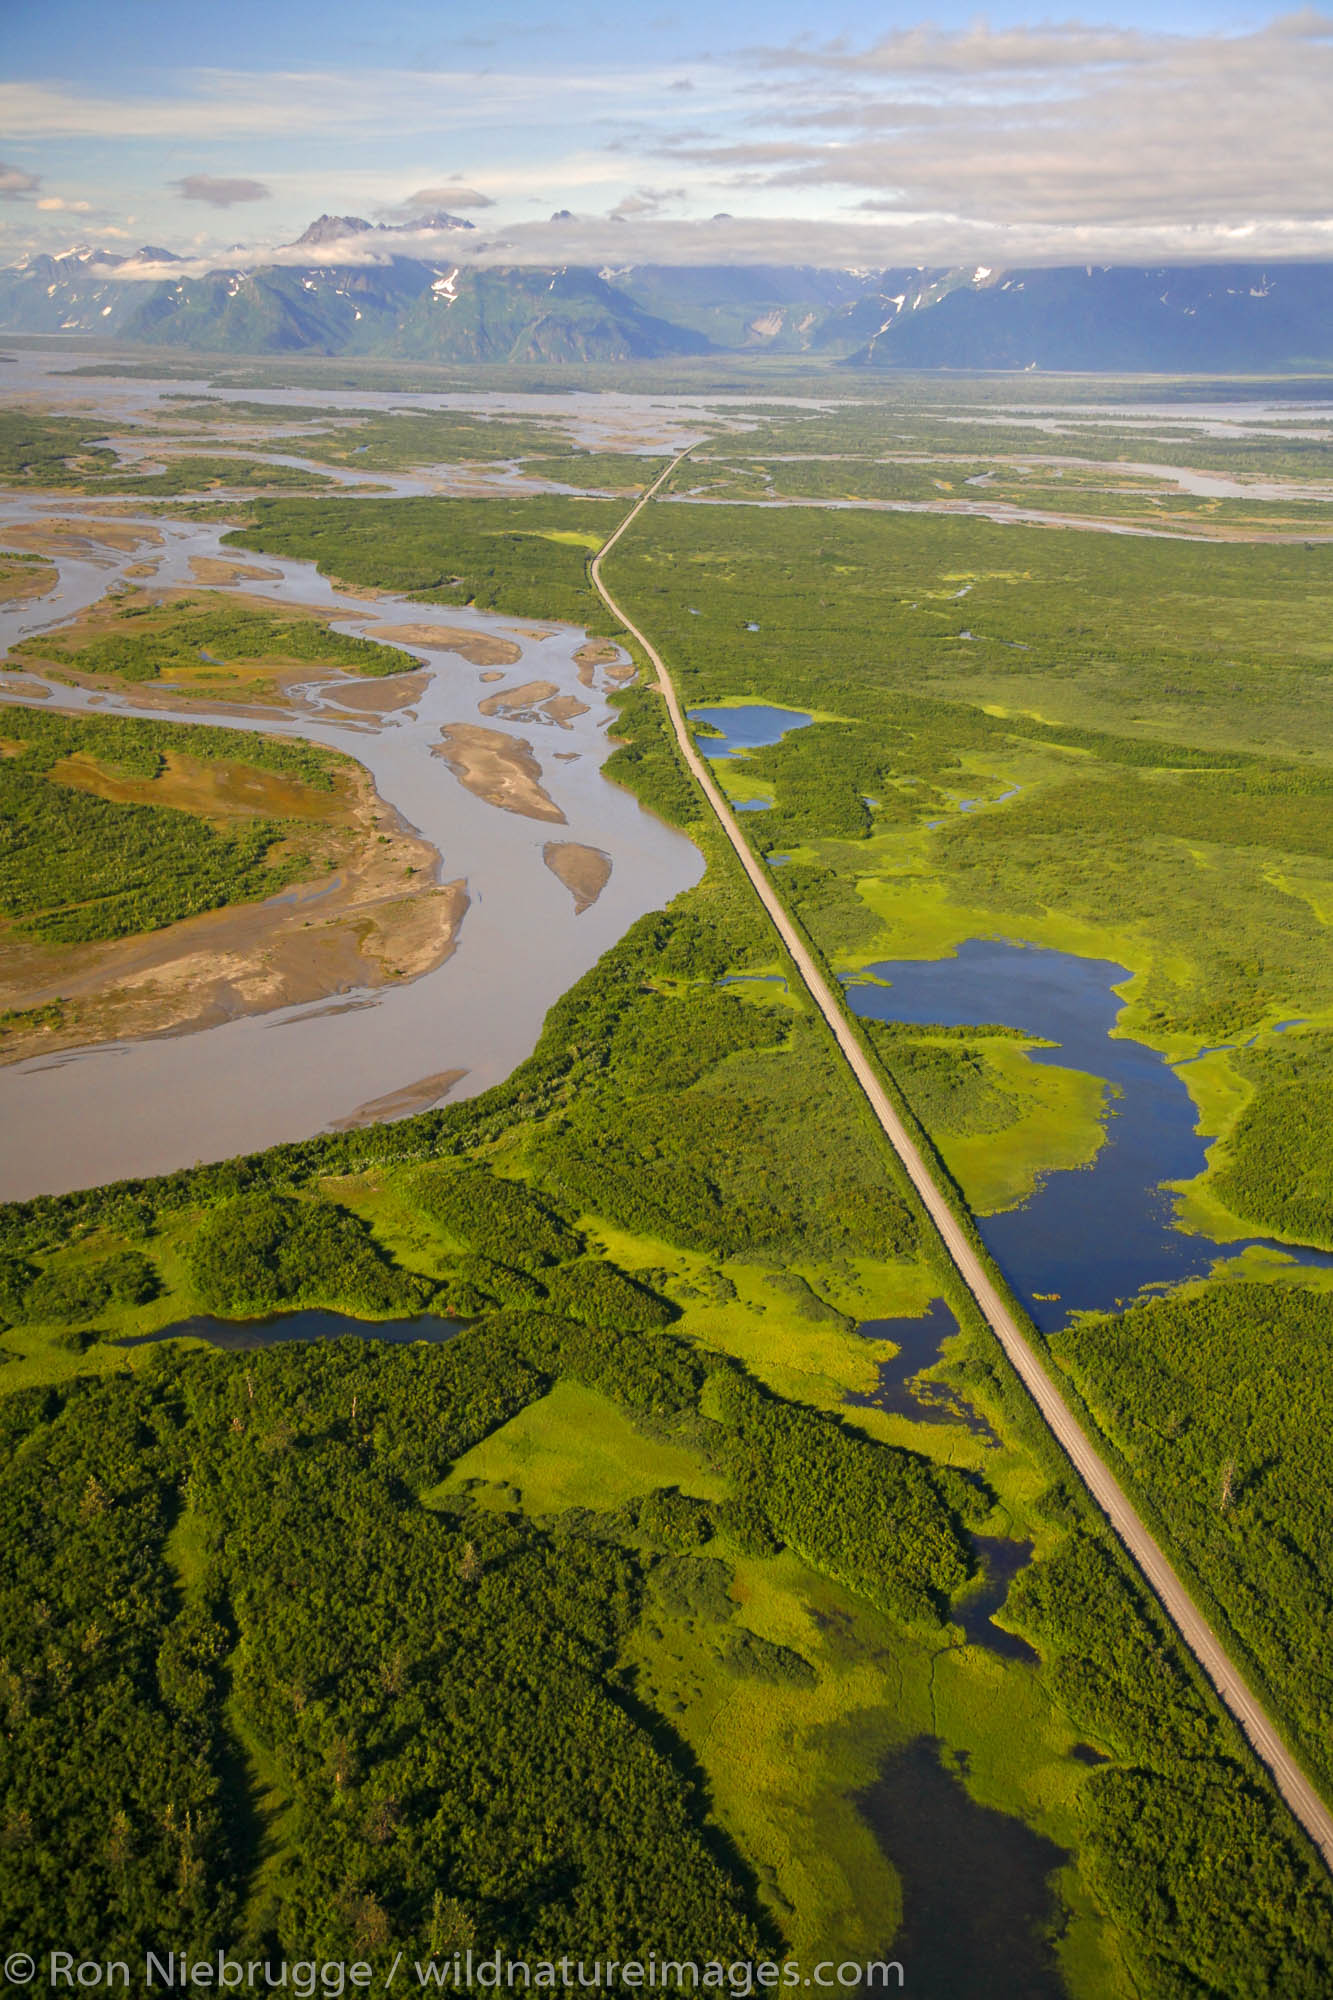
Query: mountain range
x=347 y=286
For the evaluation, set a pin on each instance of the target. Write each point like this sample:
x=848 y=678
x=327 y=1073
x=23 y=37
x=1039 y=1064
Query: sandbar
x=594 y=653
x=379 y=697
x=535 y=701
x=58 y=535
x=478 y=647
x=22 y=580
x=498 y=768
x=585 y=871
x=212 y=569
x=368 y=923
x=413 y=1097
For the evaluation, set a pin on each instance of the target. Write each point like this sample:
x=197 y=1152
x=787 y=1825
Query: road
x=1304 y=1801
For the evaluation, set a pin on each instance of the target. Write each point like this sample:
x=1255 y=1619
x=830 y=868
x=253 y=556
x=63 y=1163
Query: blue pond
x=1095 y=1236
x=749 y=727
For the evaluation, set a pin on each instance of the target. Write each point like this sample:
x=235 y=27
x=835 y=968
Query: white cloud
x=1064 y=128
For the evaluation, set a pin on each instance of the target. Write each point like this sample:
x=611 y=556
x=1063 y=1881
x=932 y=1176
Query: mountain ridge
x=405 y=299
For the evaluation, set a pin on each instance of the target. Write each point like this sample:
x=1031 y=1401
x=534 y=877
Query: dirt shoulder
x=378 y=915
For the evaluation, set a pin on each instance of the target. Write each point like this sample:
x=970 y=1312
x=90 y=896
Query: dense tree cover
x=1221 y=1401
x=433 y=1694
x=503 y=1217
x=75 y=1292
x=646 y=758
x=75 y=868
x=114 y=1819
x=147 y=638
x=948 y=1080
x=189 y=472
x=601 y=1295
x=39 y=449
x=259 y=1251
x=623 y=471
x=1189 y=1856
x=886 y=1523
x=385 y=440
x=525 y=556
x=1277 y=1165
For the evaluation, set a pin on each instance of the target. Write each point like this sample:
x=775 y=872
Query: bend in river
x=121 y=1110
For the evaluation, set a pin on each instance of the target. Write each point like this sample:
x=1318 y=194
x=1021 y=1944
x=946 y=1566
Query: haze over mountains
x=394 y=290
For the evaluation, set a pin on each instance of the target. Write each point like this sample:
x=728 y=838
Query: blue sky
x=839 y=133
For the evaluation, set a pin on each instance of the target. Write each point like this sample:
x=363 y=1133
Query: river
x=130 y=1108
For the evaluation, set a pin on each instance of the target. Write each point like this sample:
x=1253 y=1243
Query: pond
x=1089 y=1238
x=309 y=1325
x=978 y=1901
x=918 y=1342
x=750 y=725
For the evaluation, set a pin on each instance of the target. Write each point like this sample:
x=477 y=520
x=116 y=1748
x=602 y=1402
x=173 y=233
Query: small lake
x=310 y=1325
x=1094 y=1236
x=752 y=725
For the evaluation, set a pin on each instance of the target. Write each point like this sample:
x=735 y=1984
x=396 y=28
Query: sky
x=843 y=134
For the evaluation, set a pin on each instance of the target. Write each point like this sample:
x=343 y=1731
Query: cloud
x=894 y=243
x=53 y=204
x=645 y=202
x=451 y=196
x=16 y=181
x=220 y=193
x=1052 y=132
x=289 y=104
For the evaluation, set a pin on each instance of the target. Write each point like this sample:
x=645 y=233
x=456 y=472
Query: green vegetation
x=593 y=1624
x=723 y=1546
x=141 y=636
x=1220 y=1400
x=525 y=556
x=1277 y=1165
x=620 y=471
x=186 y=472
x=379 y=441
x=39 y=449
x=79 y=868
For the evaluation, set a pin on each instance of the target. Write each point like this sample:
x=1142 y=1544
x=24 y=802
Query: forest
x=77 y=868
x=146 y=636
x=525 y=556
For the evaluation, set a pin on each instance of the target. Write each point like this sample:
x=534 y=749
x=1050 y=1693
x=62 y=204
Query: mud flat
x=585 y=871
x=498 y=768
